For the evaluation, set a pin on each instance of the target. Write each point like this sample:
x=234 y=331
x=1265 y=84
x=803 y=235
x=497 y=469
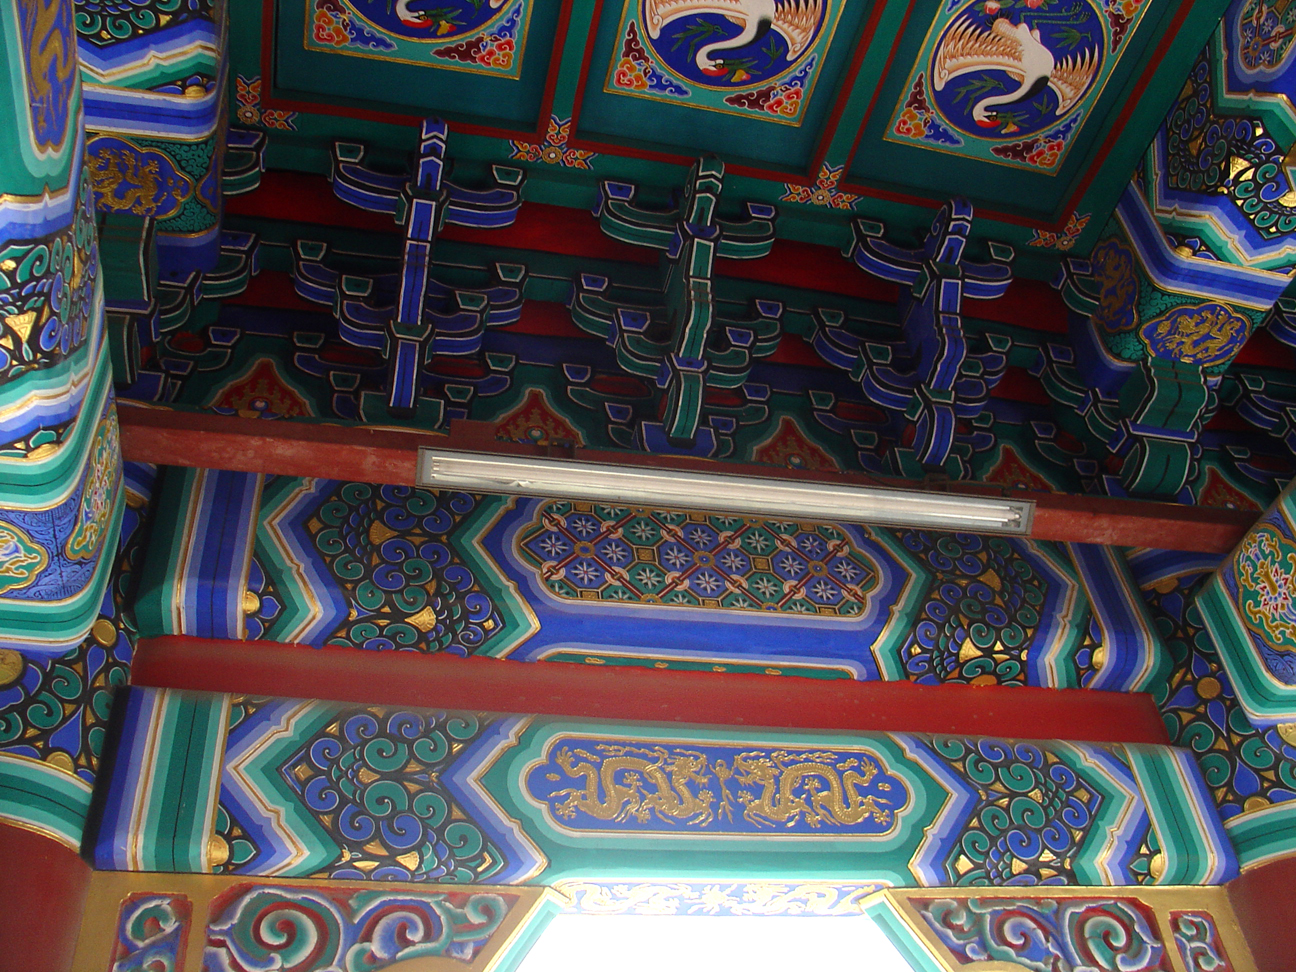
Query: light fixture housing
x=720 y=492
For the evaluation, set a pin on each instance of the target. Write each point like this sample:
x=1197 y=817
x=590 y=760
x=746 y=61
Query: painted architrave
x=531 y=799
x=197 y=572
x=1057 y=928
x=1134 y=659
x=235 y=921
x=935 y=931
x=1249 y=606
x=732 y=624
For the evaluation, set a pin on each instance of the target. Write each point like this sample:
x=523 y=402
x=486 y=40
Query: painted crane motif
x=1018 y=51
x=421 y=18
x=796 y=20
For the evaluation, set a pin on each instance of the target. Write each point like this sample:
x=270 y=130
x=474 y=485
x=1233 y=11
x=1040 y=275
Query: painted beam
x=195 y=439
x=588 y=691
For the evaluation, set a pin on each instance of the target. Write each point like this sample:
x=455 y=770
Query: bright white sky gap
x=651 y=943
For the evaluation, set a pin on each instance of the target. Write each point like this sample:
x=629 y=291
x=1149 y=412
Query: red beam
x=42 y=893
x=1266 y=911
x=641 y=694
x=173 y=438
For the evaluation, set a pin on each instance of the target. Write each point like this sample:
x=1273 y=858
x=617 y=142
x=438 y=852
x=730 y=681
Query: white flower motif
x=584 y=526
x=800 y=607
x=846 y=570
x=648 y=577
x=728 y=521
x=619 y=594
x=790 y=565
x=733 y=561
x=676 y=557
x=765 y=587
x=811 y=545
x=554 y=545
x=679 y=597
x=699 y=537
x=740 y=602
x=708 y=582
x=586 y=571
x=758 y=542
x=615 y=553
x=824 y=590
x=643 y=530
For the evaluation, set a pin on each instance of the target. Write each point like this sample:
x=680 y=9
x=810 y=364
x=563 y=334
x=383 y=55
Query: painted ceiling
x=1036 y=110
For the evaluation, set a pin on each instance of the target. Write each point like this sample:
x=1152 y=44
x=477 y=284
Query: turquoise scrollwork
x=265 y=927
x=1049 y=935
x=151 y=933
x=371 y=779
x=47 y=293
x=1034 y=814
x=389 y=549
x=1199 y=942
x=982 y=614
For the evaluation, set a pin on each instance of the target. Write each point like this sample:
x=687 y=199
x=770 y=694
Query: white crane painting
x=797 y=21
x=1018 y=51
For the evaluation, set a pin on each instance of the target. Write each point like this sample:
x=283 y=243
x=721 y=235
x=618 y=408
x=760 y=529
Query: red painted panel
x=42 y=891
x=564 y=688
x=297 y=197
x=1266 y=909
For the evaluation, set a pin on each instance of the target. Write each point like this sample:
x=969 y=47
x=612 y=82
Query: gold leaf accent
x=251 y=602
x=218 y=851
x=104 y=632
x=62 y=761
x=380 y=532
x=21 y=323
x=11 y=666
x=425 y=620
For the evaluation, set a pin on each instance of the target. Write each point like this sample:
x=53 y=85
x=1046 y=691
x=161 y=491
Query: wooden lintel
x=388 y=455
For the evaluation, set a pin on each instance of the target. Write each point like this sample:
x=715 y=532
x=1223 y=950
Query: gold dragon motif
x=629 y=781
x=128 y=182
x=1205 y=335
x=785 y=780
x=772 y=789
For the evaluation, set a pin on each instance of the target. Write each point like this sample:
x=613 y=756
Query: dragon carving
x=621 y=775
x=625 y=783
x=793 y=788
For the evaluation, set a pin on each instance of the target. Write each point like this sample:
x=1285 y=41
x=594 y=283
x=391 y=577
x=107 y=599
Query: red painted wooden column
x=642 y=694
x=390 y=456
x=42 y=891
x=1264 y=899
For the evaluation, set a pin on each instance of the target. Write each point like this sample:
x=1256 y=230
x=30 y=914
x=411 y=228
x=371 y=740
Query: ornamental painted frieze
x=47 y=291
x=629 y=786
x=484 y=36
x=1012 y=81
x=584 y=551
x=257 y=927
x=757 y=58
x=1057 y=935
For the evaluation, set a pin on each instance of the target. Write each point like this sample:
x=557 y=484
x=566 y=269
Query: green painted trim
x=41 y=797
x=520 y=621
x=1264 y=835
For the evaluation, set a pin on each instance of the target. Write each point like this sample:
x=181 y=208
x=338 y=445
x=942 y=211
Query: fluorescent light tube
x=721 y=492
